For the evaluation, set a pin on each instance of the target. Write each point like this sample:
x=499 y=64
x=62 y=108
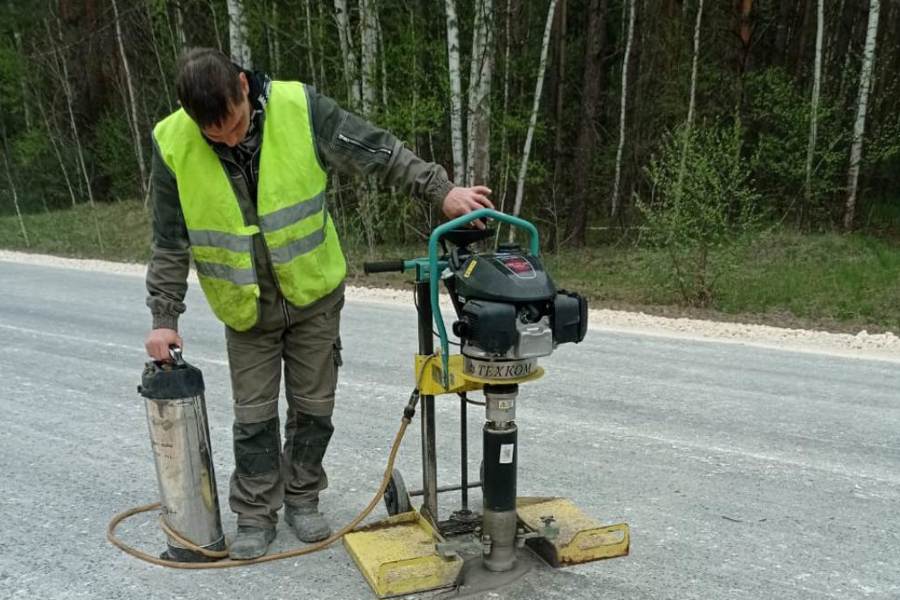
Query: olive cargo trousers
x=306 y=345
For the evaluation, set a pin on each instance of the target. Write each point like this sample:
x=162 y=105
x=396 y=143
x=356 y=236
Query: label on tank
x=518 y=266
x=506 y=453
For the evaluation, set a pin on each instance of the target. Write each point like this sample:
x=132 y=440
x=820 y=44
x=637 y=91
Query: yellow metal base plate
x=429 y=376
x=397 y=556
x=581 y=538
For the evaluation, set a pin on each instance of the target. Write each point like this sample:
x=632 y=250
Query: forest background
x=735 y=159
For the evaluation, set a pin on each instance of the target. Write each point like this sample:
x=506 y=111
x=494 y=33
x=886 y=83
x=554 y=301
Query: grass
x=831 y=281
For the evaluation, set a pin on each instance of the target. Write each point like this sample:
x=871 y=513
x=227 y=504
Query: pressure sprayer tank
x=179 y=436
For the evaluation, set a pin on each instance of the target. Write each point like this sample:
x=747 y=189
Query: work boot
x=250 y=542
x=307 y=522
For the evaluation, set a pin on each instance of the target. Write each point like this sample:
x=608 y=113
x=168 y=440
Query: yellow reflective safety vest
x=301 y=238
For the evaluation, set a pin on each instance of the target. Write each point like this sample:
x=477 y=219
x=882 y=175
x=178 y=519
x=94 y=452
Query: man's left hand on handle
x=463 y=200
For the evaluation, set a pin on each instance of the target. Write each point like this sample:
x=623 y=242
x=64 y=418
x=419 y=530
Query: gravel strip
x=882 y=346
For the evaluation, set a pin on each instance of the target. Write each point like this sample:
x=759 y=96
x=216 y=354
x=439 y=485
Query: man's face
x=232 y=130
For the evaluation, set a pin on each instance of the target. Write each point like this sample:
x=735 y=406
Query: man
x=239 y=185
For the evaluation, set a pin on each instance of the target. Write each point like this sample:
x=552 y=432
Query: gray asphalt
x=745 y=473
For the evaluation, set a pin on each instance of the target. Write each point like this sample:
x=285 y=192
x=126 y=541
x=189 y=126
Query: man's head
x=214 y=92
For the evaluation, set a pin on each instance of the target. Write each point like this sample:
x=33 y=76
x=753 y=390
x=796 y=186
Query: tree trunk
x=56 y=151
x=865 y=79
x=274 y=42
x=26 y=108
x=614 y=205
x=12 y=186
x=237 y=34
x=67 y=92
x=538 y=88
x=456 y=132
x=133 y=117
x=179 y=29
x=383 y=62
x=587 y=140
x=558 y=143
x=310 y=48
x=814 y=102
x=154 y=42
x=504 y=149
x=801 y=37
x=691 y=102
x=215 y=23
x=369 y=54
x=480 y=76
x=351 y=74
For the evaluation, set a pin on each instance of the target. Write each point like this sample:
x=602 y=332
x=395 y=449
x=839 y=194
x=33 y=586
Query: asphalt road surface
x=745 y=473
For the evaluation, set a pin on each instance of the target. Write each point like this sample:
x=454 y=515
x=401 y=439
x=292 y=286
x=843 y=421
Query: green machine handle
x=436 y=235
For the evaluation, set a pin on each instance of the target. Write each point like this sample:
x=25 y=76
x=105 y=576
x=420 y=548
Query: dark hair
x=207 y=85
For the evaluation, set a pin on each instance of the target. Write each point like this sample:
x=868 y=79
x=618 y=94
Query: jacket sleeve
x=354 y=146
x=170 y=257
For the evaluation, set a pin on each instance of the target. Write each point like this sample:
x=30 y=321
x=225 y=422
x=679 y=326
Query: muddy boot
x=307 y=522
x=250 y=542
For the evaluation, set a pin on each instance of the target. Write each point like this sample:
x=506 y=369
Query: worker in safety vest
x=239 y=182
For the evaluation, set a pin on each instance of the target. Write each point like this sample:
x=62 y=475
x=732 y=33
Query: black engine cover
x=504 y=277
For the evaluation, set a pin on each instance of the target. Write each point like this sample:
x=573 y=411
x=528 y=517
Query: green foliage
x=778 y=119
x=114 y=153
x=124 y=227
x=702 y=201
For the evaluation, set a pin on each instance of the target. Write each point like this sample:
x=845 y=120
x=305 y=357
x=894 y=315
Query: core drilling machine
x=509 y=314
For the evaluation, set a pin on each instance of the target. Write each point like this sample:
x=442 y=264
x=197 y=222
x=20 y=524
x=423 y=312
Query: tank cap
x=170 y=381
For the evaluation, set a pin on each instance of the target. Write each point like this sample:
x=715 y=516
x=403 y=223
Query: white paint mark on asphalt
x=83 y=340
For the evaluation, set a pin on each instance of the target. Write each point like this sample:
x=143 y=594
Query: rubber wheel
x=396 y=498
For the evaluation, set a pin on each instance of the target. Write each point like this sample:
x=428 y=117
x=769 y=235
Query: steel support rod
x=429 y=456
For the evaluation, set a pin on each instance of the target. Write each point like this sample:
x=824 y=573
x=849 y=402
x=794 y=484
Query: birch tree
x=63 y=76
x=310 y=48
x=539 y=85
x=237 y=34
x=692 y=101
x=133 y=119
x=456 y=132
x=504 y=149
x=351 y=77
x=615 y=197
x=859 y=127
x=369 y=53
x=480 y=75
x=179 y=29
x=12 y=185
x=56 y=151
x=273 y=41
x=215 y=23
x=814 y=102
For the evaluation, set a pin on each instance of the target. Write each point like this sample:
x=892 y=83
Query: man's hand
x=463 y=200
x=158 y=342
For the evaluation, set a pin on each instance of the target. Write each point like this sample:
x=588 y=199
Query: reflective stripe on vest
x=301 y=239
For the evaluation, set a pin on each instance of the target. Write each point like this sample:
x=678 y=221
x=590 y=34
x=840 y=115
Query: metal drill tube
x=499 y=484
x=464 y=451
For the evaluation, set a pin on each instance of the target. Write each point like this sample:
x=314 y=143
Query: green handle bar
x=436 y=235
